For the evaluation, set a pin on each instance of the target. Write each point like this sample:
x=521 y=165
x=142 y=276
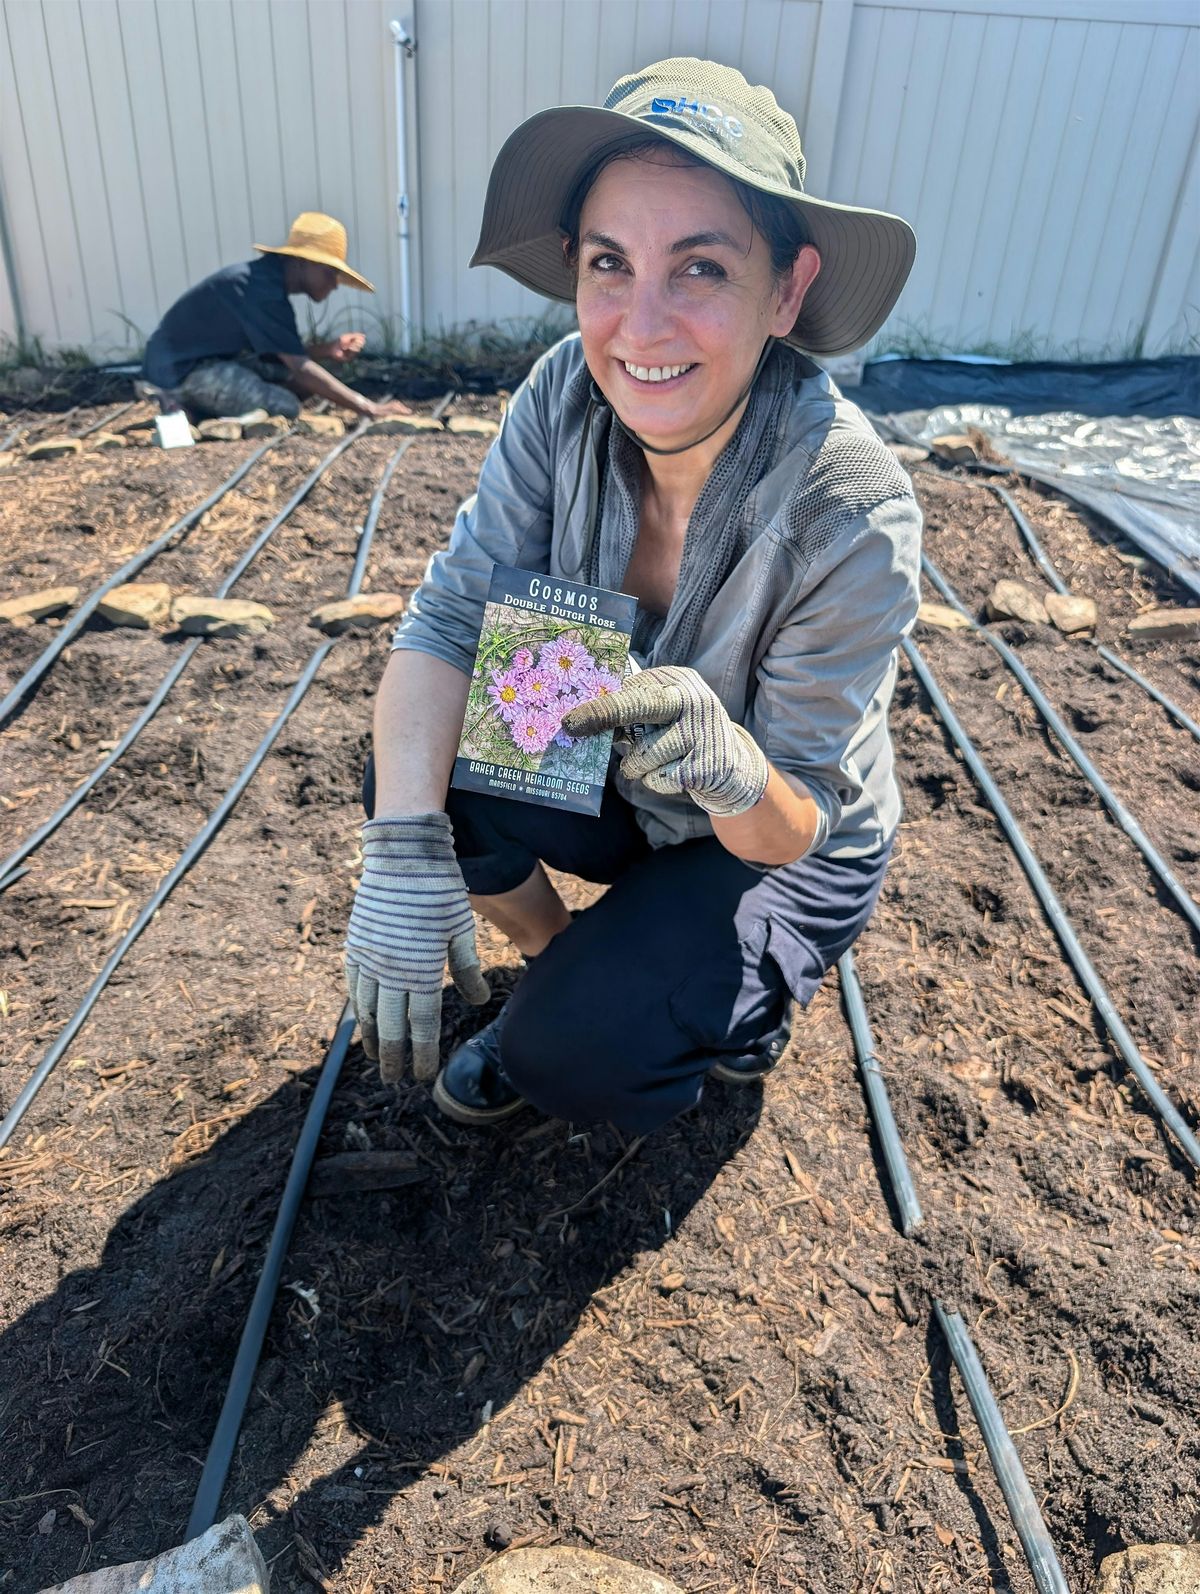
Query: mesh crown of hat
x=724 y=84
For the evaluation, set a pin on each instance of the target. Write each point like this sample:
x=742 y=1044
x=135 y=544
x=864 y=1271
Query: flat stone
x=138 y=603
x=909 y=454
x=1151 y=1569
x=357 y=614
x=323 y=425
x=1013 y=600
x=943 y=616
x=563 y=1571
x=472 y=426
x=54 y=448
x=273 y=426
x=225 y=1560
x=8 y=459
x=1166 y=623
x=37 y=605
x=104 y=440
x=402 y=425
x=200 y=616
x=1070 y=613
x=956 y=447
x=220 y=431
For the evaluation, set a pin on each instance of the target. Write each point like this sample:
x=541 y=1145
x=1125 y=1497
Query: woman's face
x=676 y=296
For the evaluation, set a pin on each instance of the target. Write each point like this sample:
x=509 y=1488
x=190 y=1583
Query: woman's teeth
x=655 y=373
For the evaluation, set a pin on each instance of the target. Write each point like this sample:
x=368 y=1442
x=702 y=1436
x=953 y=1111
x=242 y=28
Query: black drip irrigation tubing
x=105 y=421
x=241 y=1381
x=1184 y=901
x=1078 y=958
x=86 y=609
x=1010 y=1474
x=1046 y=566
x=8 y=867
x=190 y=855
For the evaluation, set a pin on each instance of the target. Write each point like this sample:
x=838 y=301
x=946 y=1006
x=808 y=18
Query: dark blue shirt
x=239 y=309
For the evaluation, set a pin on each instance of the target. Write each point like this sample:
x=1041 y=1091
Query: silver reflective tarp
x=1142 y=475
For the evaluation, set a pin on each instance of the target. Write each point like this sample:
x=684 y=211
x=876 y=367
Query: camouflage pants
x=232 y=387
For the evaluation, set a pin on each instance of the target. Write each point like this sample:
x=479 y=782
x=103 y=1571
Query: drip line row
x=1186 y=904
x=1006 y=1463
x=19 y=432
x=200 y=841
x=10 y=870
x=1084 y=968
x=1046 y=566
x=84 y=611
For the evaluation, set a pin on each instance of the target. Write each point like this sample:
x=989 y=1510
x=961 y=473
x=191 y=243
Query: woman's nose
x=647 y=314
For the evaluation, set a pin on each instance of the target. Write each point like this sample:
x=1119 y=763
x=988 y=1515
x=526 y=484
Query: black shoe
x=472 y=1088
x=746 y=1068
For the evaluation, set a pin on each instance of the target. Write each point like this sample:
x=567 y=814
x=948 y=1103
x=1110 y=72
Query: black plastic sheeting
x=1153 y=388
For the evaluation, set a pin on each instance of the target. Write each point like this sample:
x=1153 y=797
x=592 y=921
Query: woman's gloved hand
x=411 y=916
x=683 y=740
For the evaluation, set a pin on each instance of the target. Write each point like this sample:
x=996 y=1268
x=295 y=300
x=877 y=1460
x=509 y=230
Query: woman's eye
x=704 y=268
x=606 y=263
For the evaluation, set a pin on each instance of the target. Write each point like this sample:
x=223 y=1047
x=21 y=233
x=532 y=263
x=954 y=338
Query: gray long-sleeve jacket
x=799 y=575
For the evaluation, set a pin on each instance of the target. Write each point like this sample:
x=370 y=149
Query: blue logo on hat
x=713 y=115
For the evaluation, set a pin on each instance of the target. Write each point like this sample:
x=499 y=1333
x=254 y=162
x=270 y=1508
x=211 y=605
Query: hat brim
x=866 y=255
x=348 y=277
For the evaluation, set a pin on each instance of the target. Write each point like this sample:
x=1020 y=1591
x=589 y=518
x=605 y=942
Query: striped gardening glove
x=683 y=740
x=411 y=916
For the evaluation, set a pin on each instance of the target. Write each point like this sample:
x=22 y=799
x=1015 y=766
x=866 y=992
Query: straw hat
x=320 y=238
x=711 y=112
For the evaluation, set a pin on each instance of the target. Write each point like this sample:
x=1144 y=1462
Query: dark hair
x=774 y=218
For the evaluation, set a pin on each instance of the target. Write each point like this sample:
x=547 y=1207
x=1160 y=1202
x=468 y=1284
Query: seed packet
x=546 y=645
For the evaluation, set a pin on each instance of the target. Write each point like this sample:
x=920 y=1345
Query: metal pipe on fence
x=405 y=48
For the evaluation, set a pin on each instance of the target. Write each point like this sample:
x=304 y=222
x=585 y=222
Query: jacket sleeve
x=817 y=683
x=507 y=521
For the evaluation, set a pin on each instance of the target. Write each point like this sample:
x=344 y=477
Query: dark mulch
x=710 y=1353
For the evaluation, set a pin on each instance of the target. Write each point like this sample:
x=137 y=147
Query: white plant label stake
x=174 y=430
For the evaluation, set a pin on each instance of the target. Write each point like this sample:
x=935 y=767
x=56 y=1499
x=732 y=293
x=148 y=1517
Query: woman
x=682 y=450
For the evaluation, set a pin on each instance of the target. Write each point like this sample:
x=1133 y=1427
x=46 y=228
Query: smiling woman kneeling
x=681 y=448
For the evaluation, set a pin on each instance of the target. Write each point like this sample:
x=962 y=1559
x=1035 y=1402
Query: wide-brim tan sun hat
x=320 y=238
x=712 y=113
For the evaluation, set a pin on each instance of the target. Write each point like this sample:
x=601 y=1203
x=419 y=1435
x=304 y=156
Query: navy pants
x=691 y=953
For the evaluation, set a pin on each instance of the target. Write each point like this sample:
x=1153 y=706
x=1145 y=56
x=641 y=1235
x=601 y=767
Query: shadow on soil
x=421 y=1308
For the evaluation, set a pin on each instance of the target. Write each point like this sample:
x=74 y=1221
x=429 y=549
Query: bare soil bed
x=710 y=1353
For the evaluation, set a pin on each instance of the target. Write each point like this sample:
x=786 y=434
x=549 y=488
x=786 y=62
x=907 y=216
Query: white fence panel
x=1045 y=150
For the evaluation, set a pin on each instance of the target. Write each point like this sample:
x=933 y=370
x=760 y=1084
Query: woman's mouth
x=655 y=373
